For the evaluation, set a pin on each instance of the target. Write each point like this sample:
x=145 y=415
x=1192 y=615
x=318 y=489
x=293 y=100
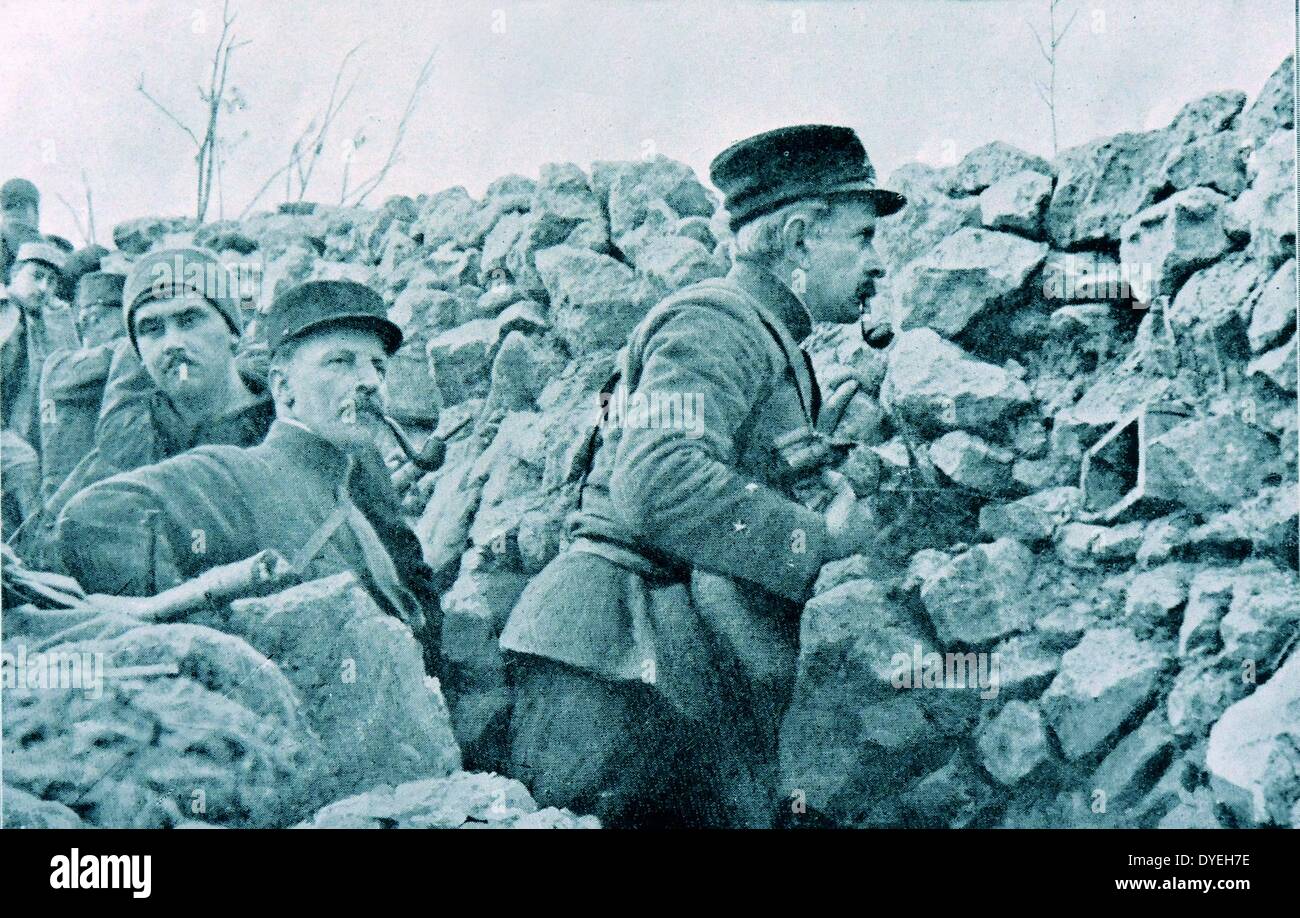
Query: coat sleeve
x=135 y=532
x=679 y=488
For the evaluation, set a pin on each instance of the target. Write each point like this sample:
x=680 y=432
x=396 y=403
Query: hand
x=412 y=485
x=842 y=385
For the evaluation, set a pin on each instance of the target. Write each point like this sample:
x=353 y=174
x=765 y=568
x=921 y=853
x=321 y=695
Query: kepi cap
x=321 y=304
x=43 y=252
x=761 y=173
x=100 y=288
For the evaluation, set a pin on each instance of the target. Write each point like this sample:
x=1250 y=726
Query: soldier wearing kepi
x=33 y=323
x=316 y=490
x=653 y=660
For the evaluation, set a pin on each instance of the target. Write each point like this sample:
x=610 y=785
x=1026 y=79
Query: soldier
x=72 y=380
x=20 y=216
x=316 y=489
x=172 y=381
x=33 y=323
x=654 y=659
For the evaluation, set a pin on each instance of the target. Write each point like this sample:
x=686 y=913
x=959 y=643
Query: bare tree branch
x=76 y=218
x=1042 y=49
x=315 y=142
x=370 y=184
x=162 y=108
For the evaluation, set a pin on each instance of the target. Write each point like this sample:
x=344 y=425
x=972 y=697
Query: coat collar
x=769 y=291
x=307 y=448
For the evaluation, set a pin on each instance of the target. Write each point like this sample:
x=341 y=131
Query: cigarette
x=183 y=371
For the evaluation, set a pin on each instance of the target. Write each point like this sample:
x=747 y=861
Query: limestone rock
x=461 y=359
x=187 y=709
x=639 y=186
x=1200 y=693
x=1136 y=763
x=138 y=236
x=848 y=729
x=935 y=384
x=595 y=300
x=1274 y=108
x=1014 y=743
x=361 y=675
x=1215 y=161
x=1031 y=519
x=973 y=463
x=459 y=801
x=444 y=217
x=1279 y=365
x=1100 y=185
x=1175 y=237
x=1214 y=462
x=1254 y=752
x=920 y=226
x=1209 y=596
x=1025 y=665
x=967 y=274
x=1266 y=210
x=1017 y=202
x=1274 y=312
x=1104 y=682
x=985 y=166
x=1207 y=116
x=973 y=600
x=1263 y=615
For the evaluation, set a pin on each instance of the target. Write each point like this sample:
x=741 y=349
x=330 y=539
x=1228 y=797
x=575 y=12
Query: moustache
x=357 y=405
x=172 y=359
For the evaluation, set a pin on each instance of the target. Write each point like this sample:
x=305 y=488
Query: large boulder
x=976 y=598
x=1017 y=202
x=935 y=384
x=1214 y=462
x=465 y=800
x=595 y=300
x=361 y=676
x=1266 y=210
x=1104 y=682
x=1253 y=758
x=1100 y=185
x=638 y=188
x=444 y=217
x=854 y=726
x=461 y=360
x=973 y=463
x=1273 y=316
x=969 y=273
x=183 y=720
x=1014 y=743
x=1175 y=237
x=985 y=166
x=1274 y=108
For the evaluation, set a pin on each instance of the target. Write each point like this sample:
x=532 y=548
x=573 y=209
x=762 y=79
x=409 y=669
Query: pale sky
x=516 y=85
